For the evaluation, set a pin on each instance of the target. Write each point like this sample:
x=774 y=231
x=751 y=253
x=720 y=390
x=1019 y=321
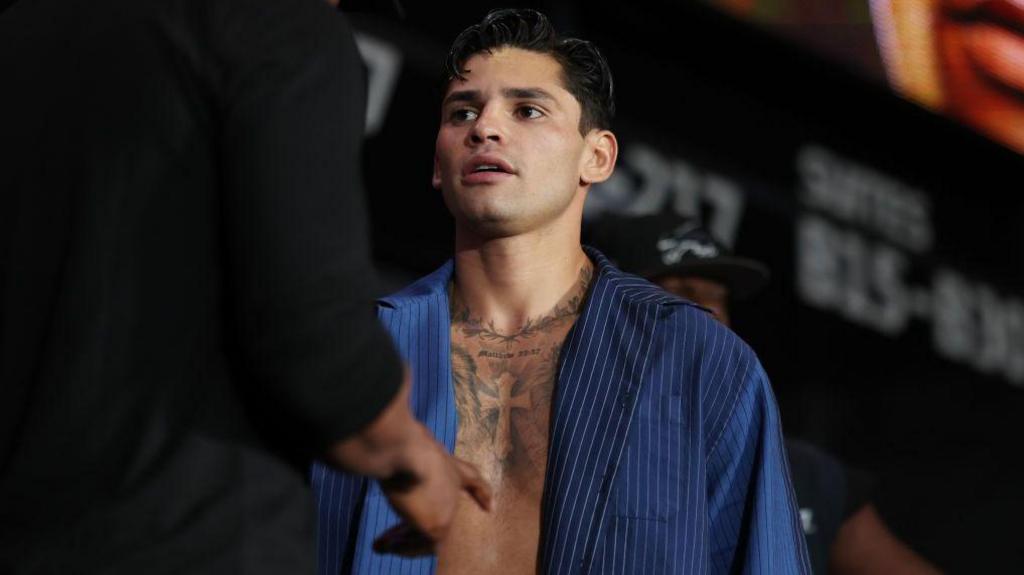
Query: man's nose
x=488 y=127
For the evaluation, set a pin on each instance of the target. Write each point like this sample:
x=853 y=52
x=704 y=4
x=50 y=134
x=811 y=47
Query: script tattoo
x=504 y=383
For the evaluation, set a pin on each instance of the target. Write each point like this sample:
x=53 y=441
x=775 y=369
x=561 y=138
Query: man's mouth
x=993 y=39
x=1006 y=13
x=487 y=163
x=486 y=169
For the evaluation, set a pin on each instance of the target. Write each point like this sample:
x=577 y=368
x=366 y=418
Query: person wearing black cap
x=845 y=534
x=680 y=256
x=185 y=290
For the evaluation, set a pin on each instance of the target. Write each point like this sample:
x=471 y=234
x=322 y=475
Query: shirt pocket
x=651 y=480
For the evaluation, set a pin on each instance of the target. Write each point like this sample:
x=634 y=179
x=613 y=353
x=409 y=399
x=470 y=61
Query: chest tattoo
x=504 y=384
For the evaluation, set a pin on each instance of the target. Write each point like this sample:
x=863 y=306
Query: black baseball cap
x=658 y=245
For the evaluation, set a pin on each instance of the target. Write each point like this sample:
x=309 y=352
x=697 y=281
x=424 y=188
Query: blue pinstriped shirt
x=666 y=450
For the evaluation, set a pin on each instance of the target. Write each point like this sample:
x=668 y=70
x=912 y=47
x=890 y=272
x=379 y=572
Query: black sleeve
x=290 y=86
x=860 y=487
x=819 y=481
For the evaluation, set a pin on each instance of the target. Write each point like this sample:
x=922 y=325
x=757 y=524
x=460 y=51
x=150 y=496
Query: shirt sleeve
x=754 y=521
x=290 y=89
x=860 y=490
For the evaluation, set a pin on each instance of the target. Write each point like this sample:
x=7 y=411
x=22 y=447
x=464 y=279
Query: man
x=623 y=429
x=184 y=290
x=845 y=534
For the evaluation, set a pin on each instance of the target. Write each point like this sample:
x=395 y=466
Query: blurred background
x=870 y=153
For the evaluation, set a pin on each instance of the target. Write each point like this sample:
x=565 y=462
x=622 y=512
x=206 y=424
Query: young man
x=622 y=429
x=845 y=534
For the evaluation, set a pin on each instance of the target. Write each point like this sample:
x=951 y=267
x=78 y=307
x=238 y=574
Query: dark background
x=733 y=102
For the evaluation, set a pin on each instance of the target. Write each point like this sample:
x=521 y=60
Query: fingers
x=426 y=495
x=474 y=483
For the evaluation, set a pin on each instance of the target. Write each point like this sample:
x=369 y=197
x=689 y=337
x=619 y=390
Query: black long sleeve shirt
x=185 y=281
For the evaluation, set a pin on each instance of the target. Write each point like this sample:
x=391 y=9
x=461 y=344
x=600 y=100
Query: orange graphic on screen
x=961 y=57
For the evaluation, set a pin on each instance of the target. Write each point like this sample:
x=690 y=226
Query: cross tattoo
x=504 y=404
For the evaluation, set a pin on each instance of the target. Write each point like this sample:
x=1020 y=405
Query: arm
x=420 y=479
x=296 y=244
x=864 y=545
x=296 y=249
x=755 y=526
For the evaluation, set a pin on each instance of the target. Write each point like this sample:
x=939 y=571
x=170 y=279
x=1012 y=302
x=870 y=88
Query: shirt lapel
x=602 y=369
x=419 y=322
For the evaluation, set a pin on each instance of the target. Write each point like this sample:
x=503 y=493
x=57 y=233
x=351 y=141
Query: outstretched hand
x=423 y=482
x=428 y=506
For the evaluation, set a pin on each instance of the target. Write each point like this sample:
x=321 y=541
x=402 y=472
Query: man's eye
x=529 y=112
x=463 y=115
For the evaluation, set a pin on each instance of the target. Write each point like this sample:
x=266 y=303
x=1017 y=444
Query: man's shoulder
x=719 y=367
x=689 y=329
x=696 y=330
x=424 y=289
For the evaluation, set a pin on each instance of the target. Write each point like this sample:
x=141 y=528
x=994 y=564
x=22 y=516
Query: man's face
x=703 y=292
x=981 y=54
x=509 y=155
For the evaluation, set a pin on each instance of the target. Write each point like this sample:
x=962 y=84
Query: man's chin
x=491 y=224
x=494 y=229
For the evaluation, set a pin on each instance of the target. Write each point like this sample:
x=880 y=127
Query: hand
x=418 y=476
x=428 y=505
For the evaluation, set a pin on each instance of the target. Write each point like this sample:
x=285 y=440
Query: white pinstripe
x=590 y=482
x=639 y=378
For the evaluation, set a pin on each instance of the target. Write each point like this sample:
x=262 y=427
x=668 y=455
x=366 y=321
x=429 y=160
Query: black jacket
x=185 y=282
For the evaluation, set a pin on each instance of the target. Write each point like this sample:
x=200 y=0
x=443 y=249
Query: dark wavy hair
x=585 y=72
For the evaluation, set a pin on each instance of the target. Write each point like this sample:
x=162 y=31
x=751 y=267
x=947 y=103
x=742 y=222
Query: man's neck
x=507 y=281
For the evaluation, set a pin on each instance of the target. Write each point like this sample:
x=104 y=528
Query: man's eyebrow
x=462 y=96
x=511 y=93
x=527 y=94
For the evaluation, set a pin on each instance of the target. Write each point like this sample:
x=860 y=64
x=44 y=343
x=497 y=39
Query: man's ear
x=435 y=180
x=601 y=153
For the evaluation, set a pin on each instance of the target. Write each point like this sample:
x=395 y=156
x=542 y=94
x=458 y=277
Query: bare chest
x=503 y=394
x=504 y=383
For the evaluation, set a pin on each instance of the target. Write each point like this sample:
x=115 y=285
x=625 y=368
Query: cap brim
x=744 y=277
